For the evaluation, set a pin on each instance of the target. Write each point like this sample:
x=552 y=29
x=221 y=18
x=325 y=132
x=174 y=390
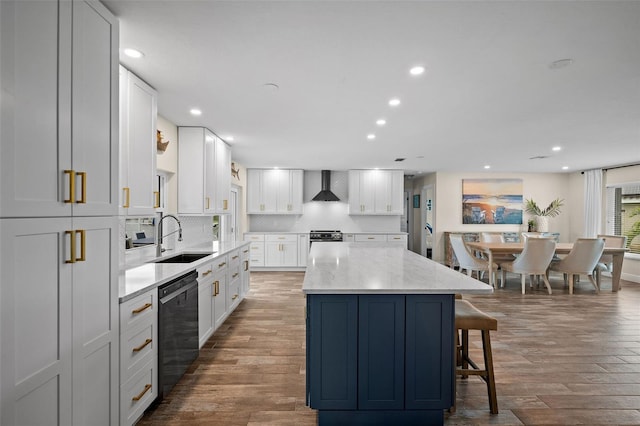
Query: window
x=623 y=214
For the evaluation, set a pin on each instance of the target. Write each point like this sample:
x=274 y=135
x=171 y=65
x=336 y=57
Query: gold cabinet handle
x=245 y=251
x=72 y=245
x=83 y=240
x=156 y=197
x=208 y=202
x=235 y=257
x=141 y=394
x=225 y=204
x=72 y=186
x=370 y=238
x=141 y=308
x=83 y=197
x=142 y=346
x=216 y=285
x=204 y=274
x=235 y=296
x=235 y=275
x=246 y=265
x=220 y=265
x=127 y=193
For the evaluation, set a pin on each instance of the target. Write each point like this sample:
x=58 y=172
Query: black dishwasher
x=177 y=330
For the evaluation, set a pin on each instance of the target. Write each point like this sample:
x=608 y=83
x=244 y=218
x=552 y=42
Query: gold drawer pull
x=235 y=275
x=204 y=274
x=371 y=238
x=246 y=265
x=156 y=196
x=142 y=308
x=72 y=186
x=141 y=347
x=141 y=394
x=220 y=265
x=235 y=296
x=246 y=251
x=83 y=198
x=127 y=193
x=72 y=240
x=235 y=257
x=216 y=288
x=225 y=204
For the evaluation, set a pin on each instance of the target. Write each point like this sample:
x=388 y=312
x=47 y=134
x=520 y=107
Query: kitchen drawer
x=138 y=393
x=398 y=238
x=234 y=258
x=369 y=238
x=137 y=347
x=257 y=248
x=254 y=237
x=205 y=272
x=256 y=260
x=142 y=309
x=348 y=238
x=245 y=252
x=220 y=264
x=233 y=294
x=234 y=273
x=279 y=238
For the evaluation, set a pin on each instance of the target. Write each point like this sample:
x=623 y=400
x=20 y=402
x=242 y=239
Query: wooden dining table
x=492 y=249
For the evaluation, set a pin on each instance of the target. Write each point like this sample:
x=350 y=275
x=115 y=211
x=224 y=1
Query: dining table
x=493 y=249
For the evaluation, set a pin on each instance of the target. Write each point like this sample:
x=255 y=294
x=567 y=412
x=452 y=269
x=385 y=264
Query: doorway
x=428 y=224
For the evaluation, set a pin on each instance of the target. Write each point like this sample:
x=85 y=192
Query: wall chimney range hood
x=325 y=194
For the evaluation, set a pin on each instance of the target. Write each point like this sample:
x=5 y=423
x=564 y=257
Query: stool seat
x=471 y=318
x=468 y=317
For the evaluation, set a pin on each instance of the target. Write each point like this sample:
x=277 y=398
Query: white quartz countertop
x=352 y=268
x=137 y=280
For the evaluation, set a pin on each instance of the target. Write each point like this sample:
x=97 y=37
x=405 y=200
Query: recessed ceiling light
x=561 y=63
x=195 y=111
x=417 y=70
x=371 y=136
x=381 y=122
x=556 y=148
x=487 y=166
x=565 y=167
x=394 y=102
x=133 y=53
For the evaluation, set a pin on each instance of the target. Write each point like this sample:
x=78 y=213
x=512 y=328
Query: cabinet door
x=95 y=322
x=296 y=185
x=220 y=300
x=396 y=192
x=362 y=191
x=254 y=191
x=381 y=189
x=270 y=190
x=209 y=172
x=139 y=141
x=34 y=156
x=332 y=351
x=191 y=170
x=223 y=176
x=429 y=352
x=272 y=256
x=94 y=111
x=381 y=352
x=289 y=252
x=303 y=249
x=35 y=322
x=206 y=294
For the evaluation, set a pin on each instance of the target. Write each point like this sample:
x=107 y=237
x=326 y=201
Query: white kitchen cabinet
x=138 y=115
x=303 y=249
x=370 y=238
x=206 y=303
x=376 y=192
x=138 y=355
x=233 y=280
x=59 y=331
x=59 y=133
x=256 y=257
x=281 y=250
x=203 y=173
x=274 y=191
x=220 y=268
x=397 y=238
x=59 y=334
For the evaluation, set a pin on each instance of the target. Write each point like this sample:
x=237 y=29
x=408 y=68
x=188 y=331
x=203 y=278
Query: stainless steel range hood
x=325 y=194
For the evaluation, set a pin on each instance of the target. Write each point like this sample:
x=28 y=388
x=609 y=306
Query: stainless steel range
x=316 y=236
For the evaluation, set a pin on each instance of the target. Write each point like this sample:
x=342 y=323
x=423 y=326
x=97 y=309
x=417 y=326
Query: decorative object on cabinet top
x=235 y=172
x=162 y=146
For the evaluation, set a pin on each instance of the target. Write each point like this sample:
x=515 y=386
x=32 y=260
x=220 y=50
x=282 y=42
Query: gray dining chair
x=533 y=261
x=581 y=260
x=468 y=261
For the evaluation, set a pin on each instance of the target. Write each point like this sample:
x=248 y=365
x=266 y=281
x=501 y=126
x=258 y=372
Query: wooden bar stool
x=468 y=317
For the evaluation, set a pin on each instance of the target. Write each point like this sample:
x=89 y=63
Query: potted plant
x=543 y=215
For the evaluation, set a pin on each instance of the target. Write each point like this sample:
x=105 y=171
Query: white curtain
x=592 y=203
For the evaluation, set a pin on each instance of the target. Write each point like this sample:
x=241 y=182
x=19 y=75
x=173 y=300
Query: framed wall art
x=492 y=201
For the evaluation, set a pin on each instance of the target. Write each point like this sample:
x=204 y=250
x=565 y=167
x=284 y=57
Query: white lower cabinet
x=245 y=274
x=370 y=238
x=397 y=238
x=206 y=305
x=281 y=250
x=59 y=324
x=257 y=249
x=138 y=355
x=303 y=249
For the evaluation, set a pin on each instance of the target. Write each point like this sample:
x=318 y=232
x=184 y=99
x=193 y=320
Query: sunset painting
x=492 y=201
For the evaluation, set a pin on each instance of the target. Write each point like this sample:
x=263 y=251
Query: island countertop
x=352 y=268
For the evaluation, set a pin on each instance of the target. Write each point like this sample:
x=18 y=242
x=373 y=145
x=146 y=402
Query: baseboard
x=630 y=277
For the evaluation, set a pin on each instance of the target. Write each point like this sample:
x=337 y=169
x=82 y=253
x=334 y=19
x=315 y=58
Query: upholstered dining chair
x=467 y=260
x=581 y=260
x=533 y=261
x=493 y=237
x=604 y=263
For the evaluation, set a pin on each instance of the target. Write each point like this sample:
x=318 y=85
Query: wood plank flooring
x=559 y=360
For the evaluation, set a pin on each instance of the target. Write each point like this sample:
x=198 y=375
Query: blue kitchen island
x=380 y=334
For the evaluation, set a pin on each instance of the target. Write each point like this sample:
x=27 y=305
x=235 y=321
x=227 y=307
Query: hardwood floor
x=558 y=359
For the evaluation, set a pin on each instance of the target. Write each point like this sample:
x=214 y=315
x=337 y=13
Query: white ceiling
x=488 y=96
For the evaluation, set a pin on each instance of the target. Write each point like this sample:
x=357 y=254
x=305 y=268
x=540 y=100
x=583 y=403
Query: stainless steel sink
x=183 y=258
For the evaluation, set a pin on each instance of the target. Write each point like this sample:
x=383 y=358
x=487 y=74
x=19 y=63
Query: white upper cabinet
x=59 y=134
x=138 y=115
x=274 y=191
x=204 y=170
x=376 y=192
